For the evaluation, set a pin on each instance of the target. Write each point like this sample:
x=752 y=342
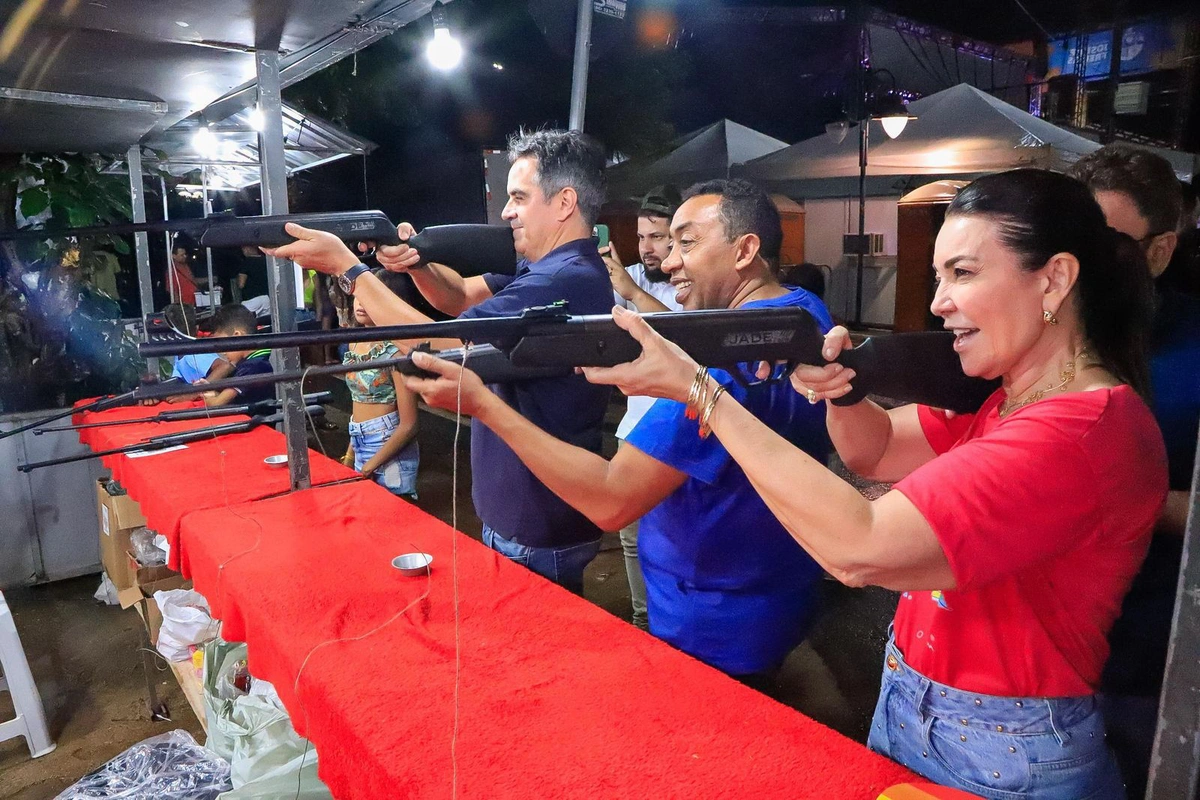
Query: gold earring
x=1049 y=318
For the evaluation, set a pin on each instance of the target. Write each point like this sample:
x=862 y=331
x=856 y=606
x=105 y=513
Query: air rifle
x=173 y=439
x=178 y=415
x=99 y=404
x=546 y=341
x=468 y=249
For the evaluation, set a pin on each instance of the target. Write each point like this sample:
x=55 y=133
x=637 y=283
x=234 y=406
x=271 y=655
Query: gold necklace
x=1065 y=378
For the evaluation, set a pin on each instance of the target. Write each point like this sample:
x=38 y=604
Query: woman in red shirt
x=1014 y=532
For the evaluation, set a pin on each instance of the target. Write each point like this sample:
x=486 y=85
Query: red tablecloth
x=556 y=697
x=224 y=471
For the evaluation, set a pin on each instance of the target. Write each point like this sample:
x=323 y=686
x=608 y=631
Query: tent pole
x=579 y=75
x=285 y=284
x=860 y=247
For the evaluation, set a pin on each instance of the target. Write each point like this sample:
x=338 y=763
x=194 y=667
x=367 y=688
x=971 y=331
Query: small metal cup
x=413 y=563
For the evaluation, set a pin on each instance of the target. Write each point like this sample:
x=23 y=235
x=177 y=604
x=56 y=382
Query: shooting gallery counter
x=548 y=696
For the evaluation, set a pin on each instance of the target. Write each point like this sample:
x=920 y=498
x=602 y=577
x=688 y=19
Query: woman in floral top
x=383 y=423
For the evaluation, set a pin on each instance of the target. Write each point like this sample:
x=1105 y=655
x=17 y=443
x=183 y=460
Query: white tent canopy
x=703 y=154
x=960 y=132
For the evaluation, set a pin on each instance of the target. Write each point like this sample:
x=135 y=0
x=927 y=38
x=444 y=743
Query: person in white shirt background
x=645 y=288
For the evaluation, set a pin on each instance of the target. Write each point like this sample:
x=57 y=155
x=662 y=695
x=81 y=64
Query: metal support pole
x=285 y=284
x=583 y=51
x=1175 y=760
x=208 y=250
x=162 y=185
x=1114 y=80
x=141 y=242
x=864 y=127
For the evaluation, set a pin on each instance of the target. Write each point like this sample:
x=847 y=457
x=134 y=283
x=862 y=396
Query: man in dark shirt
x=725 y=582
x=235 y=320
x=555 y=190
x=1142 y=198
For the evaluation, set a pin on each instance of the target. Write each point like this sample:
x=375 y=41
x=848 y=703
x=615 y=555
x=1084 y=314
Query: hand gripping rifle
x=468 y=249
x=177 y=415
x=546 y=341
x=173 y=439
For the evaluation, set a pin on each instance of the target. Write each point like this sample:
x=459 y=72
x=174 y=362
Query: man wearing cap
x=644 y=288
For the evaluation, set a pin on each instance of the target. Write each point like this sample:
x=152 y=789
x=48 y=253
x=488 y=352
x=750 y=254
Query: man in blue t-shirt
x=555 y=190
x=724 y=581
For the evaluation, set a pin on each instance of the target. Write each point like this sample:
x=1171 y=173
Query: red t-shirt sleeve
x=1002 y=503
x=943 y=431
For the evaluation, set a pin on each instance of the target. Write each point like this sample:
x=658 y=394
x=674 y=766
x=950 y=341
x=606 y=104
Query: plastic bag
x=186 y=621
x=219 y=655
x=147 y=553
x=161 y=543
x=107 y=591
x=166 y=767
x=268 y=759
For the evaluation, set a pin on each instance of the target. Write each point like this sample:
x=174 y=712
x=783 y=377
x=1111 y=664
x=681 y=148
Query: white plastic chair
x=17 y=680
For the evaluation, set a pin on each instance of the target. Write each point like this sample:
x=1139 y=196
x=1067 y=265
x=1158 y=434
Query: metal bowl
x=413 y=563
x=276 y=461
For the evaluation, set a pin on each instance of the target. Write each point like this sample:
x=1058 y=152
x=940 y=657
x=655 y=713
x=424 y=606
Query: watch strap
x=347 y=278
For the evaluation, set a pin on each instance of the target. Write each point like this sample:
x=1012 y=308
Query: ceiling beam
x=83 y=101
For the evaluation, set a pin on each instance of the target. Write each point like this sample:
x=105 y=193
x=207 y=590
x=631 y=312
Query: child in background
x=236 y=320
x=383 y=423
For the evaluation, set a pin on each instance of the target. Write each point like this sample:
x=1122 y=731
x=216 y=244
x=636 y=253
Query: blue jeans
x=398 y=476
x=562 y=565
x=1003 y=748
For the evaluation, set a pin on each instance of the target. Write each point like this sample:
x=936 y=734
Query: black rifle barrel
x=492 y=365
x=224 y=230
x=100 y=404
x=469 y=249
x=499 y=331
x=171 y=439
x=179 y=415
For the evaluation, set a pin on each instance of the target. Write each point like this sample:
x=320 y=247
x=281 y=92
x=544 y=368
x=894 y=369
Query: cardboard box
x=145 y=581
x=118 y=517
x=149 y=610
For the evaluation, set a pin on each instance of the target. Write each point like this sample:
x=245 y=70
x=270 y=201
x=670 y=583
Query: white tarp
x=707 y=153
x=960 y=131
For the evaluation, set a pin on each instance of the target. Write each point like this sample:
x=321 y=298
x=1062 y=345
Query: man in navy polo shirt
x=724 y=581
x=555 y=190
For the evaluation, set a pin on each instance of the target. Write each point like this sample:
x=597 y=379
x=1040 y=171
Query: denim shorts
x=1004 y=748
x=398 y=476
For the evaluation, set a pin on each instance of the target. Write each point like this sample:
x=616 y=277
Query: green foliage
x=75 y=193
x=60 y=334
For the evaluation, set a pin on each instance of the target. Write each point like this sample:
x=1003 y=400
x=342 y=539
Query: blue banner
x=1145 y=47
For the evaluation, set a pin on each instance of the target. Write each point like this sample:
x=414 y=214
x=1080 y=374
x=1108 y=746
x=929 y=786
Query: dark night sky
x=431 y=128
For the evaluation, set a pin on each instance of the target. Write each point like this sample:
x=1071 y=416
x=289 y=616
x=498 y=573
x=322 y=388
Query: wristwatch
x=346 y=279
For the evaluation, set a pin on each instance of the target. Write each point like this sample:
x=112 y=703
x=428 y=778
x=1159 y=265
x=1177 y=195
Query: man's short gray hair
x=564 y=158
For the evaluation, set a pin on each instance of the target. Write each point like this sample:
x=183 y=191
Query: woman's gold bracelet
x=705 y=428
x=698 y=394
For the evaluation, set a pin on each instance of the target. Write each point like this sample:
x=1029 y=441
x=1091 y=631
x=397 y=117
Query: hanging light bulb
x=892 y=111
x=204 y=142
x=443 y=51
x=894 y=126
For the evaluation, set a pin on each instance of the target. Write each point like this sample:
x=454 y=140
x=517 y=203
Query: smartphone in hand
x=600 y=234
